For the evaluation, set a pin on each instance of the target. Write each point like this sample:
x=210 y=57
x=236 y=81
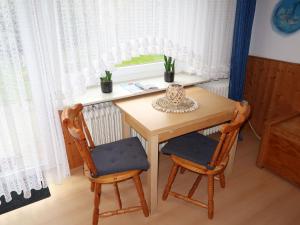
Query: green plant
x=107 y=77
x=169 y=64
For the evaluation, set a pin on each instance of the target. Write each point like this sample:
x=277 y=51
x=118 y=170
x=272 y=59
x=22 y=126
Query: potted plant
x=170 y=69
x=106 y=82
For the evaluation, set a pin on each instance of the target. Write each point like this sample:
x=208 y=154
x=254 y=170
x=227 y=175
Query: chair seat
x=119 y=156
x=194 y=147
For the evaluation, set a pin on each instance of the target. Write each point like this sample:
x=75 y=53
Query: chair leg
x=118 y=195
x=139 y=188
x=97 y=192
x=92 y=186
x=171 y=179
x=210 y=191
x=222 y=180
x=182 y=170
x=195 y=185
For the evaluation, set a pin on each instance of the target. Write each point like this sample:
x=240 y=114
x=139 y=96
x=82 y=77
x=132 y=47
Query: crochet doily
x=163 y=104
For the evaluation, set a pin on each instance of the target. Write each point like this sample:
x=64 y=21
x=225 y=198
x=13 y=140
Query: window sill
x=94 y=94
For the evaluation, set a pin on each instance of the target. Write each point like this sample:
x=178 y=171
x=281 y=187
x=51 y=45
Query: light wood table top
x=156 y=126
x=154 y=122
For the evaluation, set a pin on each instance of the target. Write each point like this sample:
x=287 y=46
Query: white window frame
x=140 y=71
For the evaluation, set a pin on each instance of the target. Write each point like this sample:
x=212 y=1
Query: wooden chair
x=204 y=156
x=107 y=164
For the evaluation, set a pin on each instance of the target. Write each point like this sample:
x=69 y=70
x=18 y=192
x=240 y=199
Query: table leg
x=125 y=127
x=228 y=169
x=152 y=152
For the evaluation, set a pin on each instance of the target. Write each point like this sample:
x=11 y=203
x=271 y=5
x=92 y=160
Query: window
x=139 y=67
x=143 y=59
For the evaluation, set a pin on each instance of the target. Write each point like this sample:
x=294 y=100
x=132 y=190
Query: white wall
x=267 y=43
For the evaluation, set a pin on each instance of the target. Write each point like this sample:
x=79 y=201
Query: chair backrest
x=229 y=133
x=73 y=120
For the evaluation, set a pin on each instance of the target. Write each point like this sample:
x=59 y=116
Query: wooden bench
x=280 y=148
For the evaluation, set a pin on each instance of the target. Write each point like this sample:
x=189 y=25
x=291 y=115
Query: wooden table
x=156 y=126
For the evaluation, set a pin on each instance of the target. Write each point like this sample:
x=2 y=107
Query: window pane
x=143 y=59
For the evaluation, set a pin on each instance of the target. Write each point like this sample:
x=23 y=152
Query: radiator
x=219 y=87
x=105 y=123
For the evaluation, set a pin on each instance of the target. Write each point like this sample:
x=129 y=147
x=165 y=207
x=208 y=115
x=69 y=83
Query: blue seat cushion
x=119 y=156
x=194 y=147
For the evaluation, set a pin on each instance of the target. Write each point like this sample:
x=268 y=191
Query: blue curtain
x=241 y=40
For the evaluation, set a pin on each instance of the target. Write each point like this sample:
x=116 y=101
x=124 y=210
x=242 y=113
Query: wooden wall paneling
x=259 y=85
x=272 y=89
x=286 y=98
x=273 y=75
x=252 y=83
x=296 y=99
x=266 y=83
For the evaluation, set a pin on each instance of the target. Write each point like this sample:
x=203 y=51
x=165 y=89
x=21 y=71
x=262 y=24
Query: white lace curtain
x=96 y=35
x=31 y=145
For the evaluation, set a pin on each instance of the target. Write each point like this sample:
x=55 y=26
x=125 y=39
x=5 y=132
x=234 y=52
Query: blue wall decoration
x=286 y=16
x=240 y=48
